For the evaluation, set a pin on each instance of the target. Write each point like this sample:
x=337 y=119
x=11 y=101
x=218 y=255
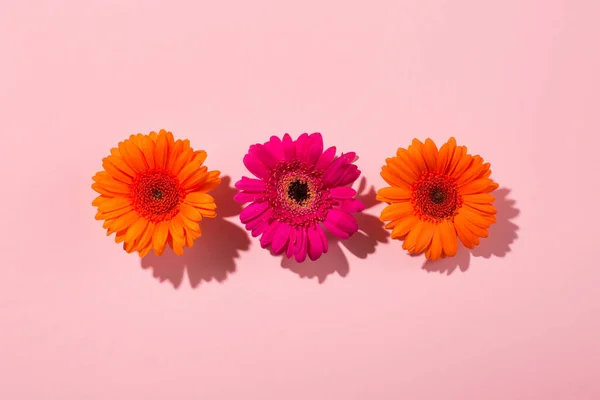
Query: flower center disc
x=156 y=195
x=298 y=191
x=435 y=197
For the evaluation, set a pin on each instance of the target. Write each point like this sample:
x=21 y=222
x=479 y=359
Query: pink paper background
x=517 y=81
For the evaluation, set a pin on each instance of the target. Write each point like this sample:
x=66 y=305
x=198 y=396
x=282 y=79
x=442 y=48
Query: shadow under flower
x=213 y=256
x=363 y=243
x=501 y=236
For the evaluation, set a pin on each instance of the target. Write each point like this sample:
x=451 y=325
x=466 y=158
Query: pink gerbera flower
x=300 y=189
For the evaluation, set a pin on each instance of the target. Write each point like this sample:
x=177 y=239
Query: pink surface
x=517 y=81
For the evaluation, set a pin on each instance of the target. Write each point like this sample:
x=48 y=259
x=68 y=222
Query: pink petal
x=323 y=239
x=314 y=148
x=333 y=174
x=269 y=234
x=351 y=174
x=342 y=192
x=246 y=197
x=301 y=245
x=315 y=244
x=282 y=235
x=350 y=157
x=289 y=148
x=274 y=145
x=340 y=223
x=259 y=230
x=302 y=147
x=264 y=217
x=352 y=206
x=264 y=155
x=250 y=184
x=291 y=244
x=326 y=158
x=252 y=211
x=255 y=166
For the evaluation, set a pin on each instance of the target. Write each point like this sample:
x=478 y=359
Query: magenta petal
x=315 y=245
x=302 y=147
x=350 y=157
x=351 y=174
x=335 y=230
x=333 y=174
x=246 y=197
x=323 y=239
x=252 y=211
x=343 y=220
x=314 y=148
x=302 y=245
x=259 y=230
x=264 y=217
x=291 y=243
x=275 y=146
x=255 y=166
x=250 y=184
x=289 y=148
x=352 y=206
x=282 y=235
x=326 y=158
x=269 y=234
x=342 y=192
x=264 y=155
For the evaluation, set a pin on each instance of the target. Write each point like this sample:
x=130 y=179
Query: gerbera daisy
x=300 y=189
x=437 y=196
x=153 y=191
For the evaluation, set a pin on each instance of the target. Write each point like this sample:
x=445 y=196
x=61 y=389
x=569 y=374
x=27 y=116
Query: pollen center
x=298 y=191
x=156 y=195
x=435 y=197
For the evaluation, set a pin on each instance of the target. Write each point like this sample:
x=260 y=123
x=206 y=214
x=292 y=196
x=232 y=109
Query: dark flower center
x=437 y=196
x=298 y=191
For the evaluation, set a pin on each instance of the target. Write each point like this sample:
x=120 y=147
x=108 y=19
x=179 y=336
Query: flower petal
x=342 y=192
x=250 y=185
x=393 y=194
x=252 y=211
x=302 y=245
x=289 y=147
x=281 y=238
x=326 y=158
x=256 y=167
x=314 y=148
x=396 y=211
x=340 y=223
x=315 y=244
x=449 y=238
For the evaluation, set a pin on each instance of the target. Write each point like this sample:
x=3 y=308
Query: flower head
x=436 y=197
x=153 y=191
x=300 y=189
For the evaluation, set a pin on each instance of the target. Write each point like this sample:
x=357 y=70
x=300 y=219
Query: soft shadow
x=363 y=243
x=214 y=254
x=501 y=236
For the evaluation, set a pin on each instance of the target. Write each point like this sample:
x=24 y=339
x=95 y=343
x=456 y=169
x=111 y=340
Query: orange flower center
x=435 y=197
x=156 y=195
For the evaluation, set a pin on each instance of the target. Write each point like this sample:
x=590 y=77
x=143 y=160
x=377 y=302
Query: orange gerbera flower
x=153 y=192
x=437 y=196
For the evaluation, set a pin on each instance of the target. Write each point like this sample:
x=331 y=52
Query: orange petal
x=148 y=148
x=193 y=167
x=114 y=203
x=471 y=172
x=393 y=179
x=467 y=237
x=425 y=237
x=133 y=156
x=396 y=211
x=404 y=159
x=445 y=155
x=146 y=237
x=159 y=239
x=404 y=226
x=199 y=198
x=402 y=170
x=393 y=194
x=435 y=250
x=477 y=186
x=430 y=154
x=459 y=154
x=483 y=208
x=136 y=230
x=190 y=212
x=479 y=198
x=209 y=184
x=184 y=158
x=113 y=214
x=449 y=239
x=160 y=151
x=116 y=172
x=415 y=153
x=123 y=221
x=412 y=237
